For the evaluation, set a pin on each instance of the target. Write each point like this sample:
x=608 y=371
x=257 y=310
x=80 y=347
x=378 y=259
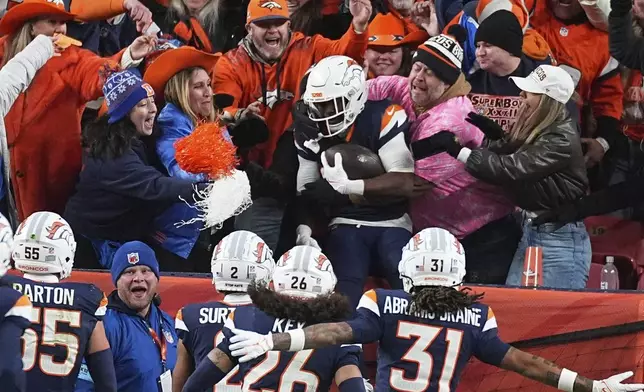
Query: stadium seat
x=594 y=276
x=622 y=239
x=640 y=283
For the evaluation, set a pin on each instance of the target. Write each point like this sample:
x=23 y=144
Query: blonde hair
x=17 y=42
x=526 y=129
x=207 y=16
x=177 y=92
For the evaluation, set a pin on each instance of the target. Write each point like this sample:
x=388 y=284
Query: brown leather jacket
x=538 y=176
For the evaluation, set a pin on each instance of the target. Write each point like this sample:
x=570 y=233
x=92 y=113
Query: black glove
x=263 y=183
x=489 y=127
x=322 y=192
x=249 y=132
x=620 y=7
x=443 y=141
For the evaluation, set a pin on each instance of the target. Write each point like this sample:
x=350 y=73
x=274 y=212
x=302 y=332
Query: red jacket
x=43 y=129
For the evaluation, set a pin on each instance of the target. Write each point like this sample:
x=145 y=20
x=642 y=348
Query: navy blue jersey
x=424 y=352
x=14 y=306
x=15 y=312
x=62 y=321
x=199 y=326
x=307 y=370
x=381 y=127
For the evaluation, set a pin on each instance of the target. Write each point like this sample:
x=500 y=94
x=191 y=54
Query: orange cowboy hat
x=389 y=30
x=172 y=61
x=19 y=14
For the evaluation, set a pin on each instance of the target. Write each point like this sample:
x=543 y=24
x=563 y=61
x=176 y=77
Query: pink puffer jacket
x=458 y=202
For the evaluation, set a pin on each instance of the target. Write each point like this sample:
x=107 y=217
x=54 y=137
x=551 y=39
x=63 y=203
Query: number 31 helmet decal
x=433 y=257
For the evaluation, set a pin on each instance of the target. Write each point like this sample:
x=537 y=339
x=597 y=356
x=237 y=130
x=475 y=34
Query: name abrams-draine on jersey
x=396 y=305
x=46 y=295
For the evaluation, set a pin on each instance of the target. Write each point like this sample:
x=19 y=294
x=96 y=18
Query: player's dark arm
x=390 y=184
x=398 y=162
x=100 y=361
x=349 y=379
x=182 y=368
x=419 y=186
x=210 y=371
x=316 y=336
x=540 y=369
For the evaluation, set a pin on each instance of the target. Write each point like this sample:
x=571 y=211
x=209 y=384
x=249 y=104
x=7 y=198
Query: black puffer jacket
x=539 y=176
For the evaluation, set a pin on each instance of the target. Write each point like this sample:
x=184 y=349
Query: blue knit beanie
x=132 y=254
x=122 y=91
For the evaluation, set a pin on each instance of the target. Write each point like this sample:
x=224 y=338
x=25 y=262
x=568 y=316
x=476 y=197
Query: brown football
x=359 y=162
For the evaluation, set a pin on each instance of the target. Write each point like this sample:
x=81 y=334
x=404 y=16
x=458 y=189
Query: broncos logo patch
x=269 y=4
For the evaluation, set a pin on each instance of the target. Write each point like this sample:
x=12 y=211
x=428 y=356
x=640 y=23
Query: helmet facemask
x=331 y=116
x=336 y=93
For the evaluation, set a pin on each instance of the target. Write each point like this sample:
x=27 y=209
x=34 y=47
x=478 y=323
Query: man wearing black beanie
x=499 y=42
x=502 y=29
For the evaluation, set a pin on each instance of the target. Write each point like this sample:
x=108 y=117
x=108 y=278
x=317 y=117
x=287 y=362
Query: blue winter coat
x=174 y=125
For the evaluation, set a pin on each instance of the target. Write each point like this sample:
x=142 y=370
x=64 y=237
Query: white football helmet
x=6 y=242
x=44 y=244
x=304 y=271
x=240 y=257
x=433 y=257
x=336 y=93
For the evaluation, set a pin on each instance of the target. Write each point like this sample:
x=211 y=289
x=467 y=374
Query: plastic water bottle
x=609 y=276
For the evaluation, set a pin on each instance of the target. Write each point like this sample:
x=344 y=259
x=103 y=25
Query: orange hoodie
x=246 y=78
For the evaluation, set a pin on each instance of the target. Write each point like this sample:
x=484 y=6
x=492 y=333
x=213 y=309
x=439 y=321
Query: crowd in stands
x=504 y=122
x=355 y=129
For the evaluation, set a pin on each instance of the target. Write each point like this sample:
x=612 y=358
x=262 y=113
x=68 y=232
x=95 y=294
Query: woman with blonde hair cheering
x=540 y=163
x=180 y=77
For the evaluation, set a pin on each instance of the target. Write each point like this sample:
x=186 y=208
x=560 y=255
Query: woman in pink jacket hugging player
x=479 y=215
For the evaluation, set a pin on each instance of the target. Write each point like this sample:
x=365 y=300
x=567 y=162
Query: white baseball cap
x=552 y=81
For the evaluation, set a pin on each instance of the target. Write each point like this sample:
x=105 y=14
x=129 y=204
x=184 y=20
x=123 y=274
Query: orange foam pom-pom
x=206 y=151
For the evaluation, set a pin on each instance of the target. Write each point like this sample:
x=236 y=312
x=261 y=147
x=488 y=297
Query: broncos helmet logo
x=350 y=74
x=20 y=227
x=283 y=259
x=320 y=260
x=218 y=250
x=458 y=246
x=259 y=252
x=60 y=231
x=269 y=4
x=416 y=241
